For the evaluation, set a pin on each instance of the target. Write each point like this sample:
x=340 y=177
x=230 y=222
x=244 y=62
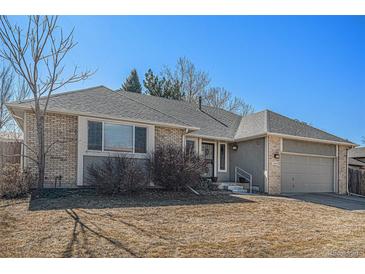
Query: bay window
x=104 y=136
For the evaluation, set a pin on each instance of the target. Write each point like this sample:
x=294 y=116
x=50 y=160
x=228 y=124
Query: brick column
x=274 y=174
x=342 y=169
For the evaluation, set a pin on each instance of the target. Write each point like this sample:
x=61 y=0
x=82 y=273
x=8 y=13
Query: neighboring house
x=357 y=158
x=358 y=154
x=281 y=154
x=355 y=164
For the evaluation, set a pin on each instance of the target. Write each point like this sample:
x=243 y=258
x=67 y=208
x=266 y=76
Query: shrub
x=174 y=168
x=13 y=181
x=117 y=175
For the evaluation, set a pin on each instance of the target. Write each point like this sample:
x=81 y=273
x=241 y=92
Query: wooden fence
x=357 y=181
x=10 y=152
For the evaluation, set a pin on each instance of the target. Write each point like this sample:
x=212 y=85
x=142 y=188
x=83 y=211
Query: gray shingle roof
x=277 y=123
x=270 y=122
x=353 y=162
x=358 y=153
x=209 y=122
x=105 y=102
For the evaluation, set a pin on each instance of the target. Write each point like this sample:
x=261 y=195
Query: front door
x=208 y=154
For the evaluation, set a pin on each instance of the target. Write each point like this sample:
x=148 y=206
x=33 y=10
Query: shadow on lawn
x=51 y=199
x=69 y=252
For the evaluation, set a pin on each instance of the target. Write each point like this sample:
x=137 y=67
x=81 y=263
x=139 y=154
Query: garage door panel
x=306 y=174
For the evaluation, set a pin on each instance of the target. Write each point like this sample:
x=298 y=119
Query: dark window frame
x=102 y=149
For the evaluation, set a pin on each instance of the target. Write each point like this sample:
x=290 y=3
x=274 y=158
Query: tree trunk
x=41 y=153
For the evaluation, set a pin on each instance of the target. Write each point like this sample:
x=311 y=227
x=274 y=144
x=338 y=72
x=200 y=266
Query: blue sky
x=311 y=68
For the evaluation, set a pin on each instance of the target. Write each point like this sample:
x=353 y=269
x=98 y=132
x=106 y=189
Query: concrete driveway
x=331 y=199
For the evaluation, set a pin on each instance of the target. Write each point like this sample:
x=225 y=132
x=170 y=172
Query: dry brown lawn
x=74 y=224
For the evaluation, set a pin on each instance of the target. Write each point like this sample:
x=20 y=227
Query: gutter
x=312 y=139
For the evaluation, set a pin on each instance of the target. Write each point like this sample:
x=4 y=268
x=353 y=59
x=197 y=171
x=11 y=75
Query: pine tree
x=132 y=83
x=162 y=87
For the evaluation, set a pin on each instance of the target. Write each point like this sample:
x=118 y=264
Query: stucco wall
x=142 y=164
x=61 y=137
x=308 y=147
x=250 y=156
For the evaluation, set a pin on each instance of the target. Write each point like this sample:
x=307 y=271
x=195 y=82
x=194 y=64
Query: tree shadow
x=56 y=199
x=69 y=252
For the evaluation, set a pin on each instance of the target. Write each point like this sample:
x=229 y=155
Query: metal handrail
x=243 y=173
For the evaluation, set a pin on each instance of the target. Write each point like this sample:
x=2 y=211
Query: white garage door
x=306 y=174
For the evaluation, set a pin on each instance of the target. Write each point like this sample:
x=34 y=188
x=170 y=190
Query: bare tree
x=10 y=90
x=37 y=53
x=192 y=82
x=222 y=98
x=6 y=83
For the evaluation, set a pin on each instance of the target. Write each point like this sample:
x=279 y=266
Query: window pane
x=222 y=158
x=189 y=146
x=118 y=137
x=94 y=135
x=140 y=139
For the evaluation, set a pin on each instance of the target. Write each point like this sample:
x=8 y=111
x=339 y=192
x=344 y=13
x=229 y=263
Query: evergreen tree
x=162 y=87
x=132 y=83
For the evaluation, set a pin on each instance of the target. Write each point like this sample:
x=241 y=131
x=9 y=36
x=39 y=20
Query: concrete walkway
x=330 y=199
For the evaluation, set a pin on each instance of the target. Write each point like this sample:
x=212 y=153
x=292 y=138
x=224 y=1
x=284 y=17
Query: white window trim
x=111 y=152
x=225 y=157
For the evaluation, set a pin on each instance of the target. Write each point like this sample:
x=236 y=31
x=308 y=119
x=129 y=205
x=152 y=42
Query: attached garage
x=307 y=167
x=307 y=174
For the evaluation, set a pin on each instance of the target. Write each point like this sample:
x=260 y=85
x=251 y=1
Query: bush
x=117 y=175
x=174 y=169
x=13 y=181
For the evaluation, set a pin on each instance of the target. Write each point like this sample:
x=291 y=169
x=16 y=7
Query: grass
x=74 y=224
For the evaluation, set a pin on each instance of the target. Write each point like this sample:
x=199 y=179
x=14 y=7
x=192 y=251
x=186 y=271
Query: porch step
x=237 y=189
x=231 y=186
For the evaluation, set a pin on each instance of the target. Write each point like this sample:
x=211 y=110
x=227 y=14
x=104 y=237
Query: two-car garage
x=307 y=167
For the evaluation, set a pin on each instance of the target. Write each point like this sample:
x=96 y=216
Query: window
x=222 y=157
x=118 y=137
x=190 y=146
x=104 y=136
x=94 y=135
x=140 y=138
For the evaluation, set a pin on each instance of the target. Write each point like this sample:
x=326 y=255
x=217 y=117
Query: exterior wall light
x=234 y=147
x=276 y=156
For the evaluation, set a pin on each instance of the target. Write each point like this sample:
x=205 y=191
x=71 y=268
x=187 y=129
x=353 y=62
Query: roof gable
x=266 y=122
x=277 y=123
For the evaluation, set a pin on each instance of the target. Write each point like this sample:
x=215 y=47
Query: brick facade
x=168 y=136
x=342 y=169
x=61 y=131
x=274 y=165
